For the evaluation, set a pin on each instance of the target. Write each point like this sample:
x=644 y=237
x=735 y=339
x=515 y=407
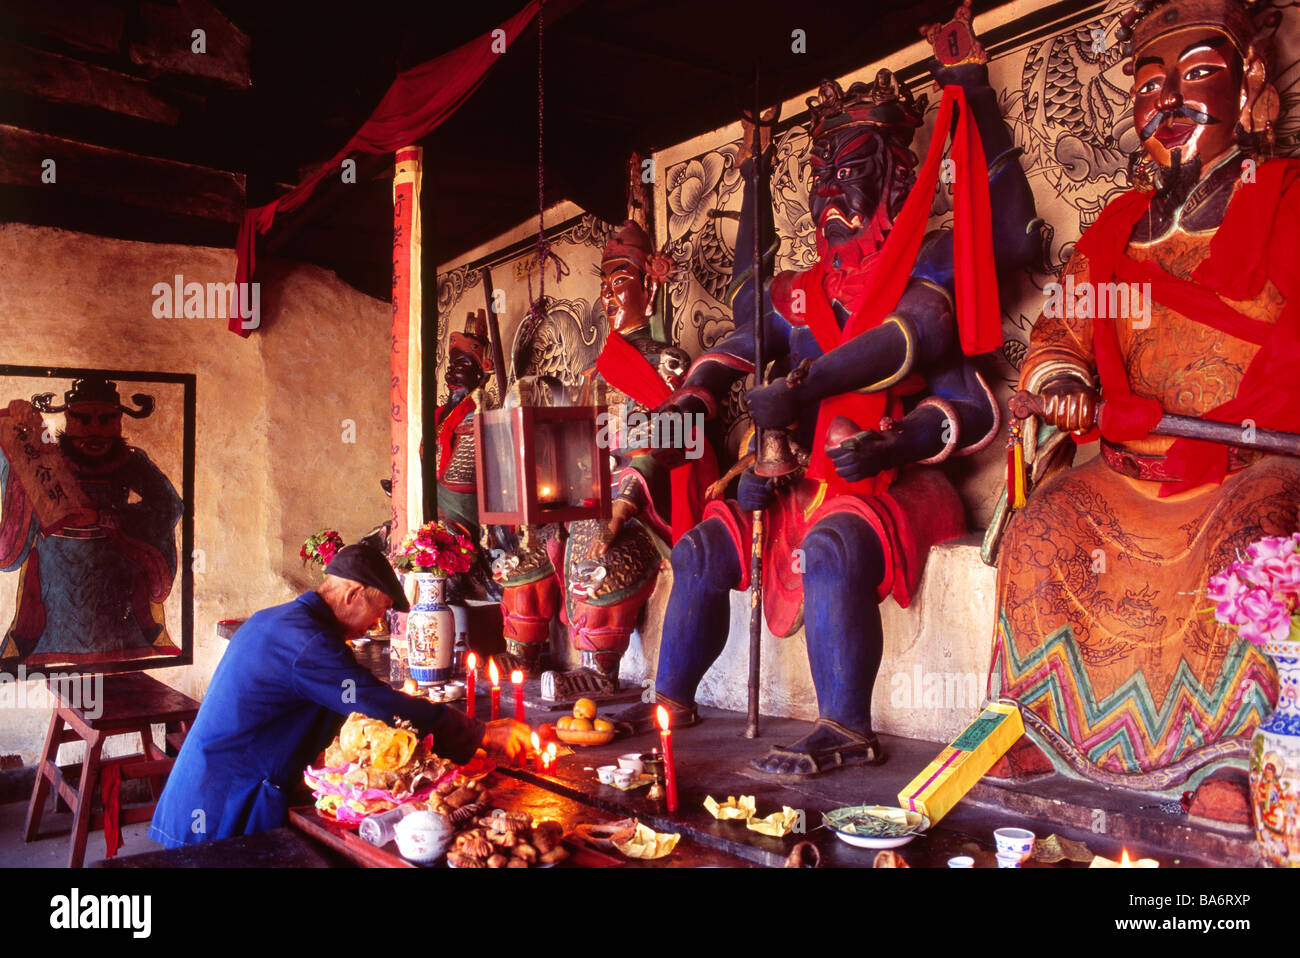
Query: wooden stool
x=130 y=704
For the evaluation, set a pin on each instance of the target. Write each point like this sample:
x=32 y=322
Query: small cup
x=423 y=836
x=623 y=777
x=1011 y=860
x=1017 y=841
x=606 y=774
x=961 y=861
x=632 y=762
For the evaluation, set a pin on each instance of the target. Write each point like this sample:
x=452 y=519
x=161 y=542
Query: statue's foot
x=829 y=745
x=579 y=683
x=507 y=662
x=643 y=717
x=1023 y=760
x=1223 y=799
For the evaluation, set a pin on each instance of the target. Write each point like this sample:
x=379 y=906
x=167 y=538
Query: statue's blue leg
x=844 y=565
x=705 y=570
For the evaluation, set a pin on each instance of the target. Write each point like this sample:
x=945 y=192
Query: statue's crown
x=1241 y=21
x=885 y=103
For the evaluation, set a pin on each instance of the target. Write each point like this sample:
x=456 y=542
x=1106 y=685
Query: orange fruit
x=565 y=722
x=603 y=725
x=580 y=725
x=584 y=709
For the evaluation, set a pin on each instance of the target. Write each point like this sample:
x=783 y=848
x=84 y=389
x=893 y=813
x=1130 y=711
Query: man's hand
x=1070 y=405
x=753 y=492
x=863 y=455
x=507 y=737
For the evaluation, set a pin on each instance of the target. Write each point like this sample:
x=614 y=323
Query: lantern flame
x=517 y=677
x=662 y=715
x=494 y=672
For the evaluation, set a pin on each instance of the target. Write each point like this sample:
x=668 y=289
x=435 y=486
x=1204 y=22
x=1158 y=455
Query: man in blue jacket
x=278 y=697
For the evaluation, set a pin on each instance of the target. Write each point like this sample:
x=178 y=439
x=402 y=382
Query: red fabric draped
x=979 y=318
x=626 y=369
x=419 y=100
x=446 y=429
x=1256 y=242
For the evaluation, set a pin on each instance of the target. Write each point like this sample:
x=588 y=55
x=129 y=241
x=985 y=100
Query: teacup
x=623 y=777
x=632 y=762
x=1017 y=841
x=961 y=861
x=423 y=836
x=1008 y=860
x=606 y=774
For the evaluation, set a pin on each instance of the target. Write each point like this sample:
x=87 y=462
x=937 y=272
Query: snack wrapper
x=646 y=843
x=733 y=809
x=778 y=824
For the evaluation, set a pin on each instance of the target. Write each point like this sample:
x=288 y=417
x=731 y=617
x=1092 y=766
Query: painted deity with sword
x=873 y=378
x=1102 y=635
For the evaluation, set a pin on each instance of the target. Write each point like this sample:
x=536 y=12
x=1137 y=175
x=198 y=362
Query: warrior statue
x=611 y=566
x=1101 y=635
x=877 y=333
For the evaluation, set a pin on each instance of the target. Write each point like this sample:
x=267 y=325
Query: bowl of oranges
x=584 y=727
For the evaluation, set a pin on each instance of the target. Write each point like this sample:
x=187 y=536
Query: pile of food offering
x=508 y=840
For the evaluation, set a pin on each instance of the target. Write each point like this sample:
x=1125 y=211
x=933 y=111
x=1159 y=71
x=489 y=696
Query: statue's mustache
x=1193 y=114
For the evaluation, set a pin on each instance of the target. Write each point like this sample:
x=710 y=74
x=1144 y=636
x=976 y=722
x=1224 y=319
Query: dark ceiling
x=620 y=75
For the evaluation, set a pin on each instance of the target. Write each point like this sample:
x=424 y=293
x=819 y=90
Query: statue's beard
x=117 y=449
x=1178 y=178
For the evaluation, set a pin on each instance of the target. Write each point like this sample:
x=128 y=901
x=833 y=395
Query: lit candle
x=1124 y=862
x=552 y=753
x=670 y=771
x=471 y=667
x=537 y=753
x=495 y=676
x=517 y=680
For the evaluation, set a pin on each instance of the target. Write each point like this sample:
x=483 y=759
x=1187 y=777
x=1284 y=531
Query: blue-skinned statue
x=871 y=376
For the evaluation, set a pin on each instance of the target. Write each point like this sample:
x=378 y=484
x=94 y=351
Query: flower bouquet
x=321 y=547
x=1259 y=595
x=434 y=548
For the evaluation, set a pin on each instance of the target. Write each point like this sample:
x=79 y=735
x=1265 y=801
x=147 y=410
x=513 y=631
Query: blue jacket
x=274 y=702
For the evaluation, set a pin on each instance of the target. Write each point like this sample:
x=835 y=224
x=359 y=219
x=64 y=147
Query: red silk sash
x=627 y=370
x=447 y=429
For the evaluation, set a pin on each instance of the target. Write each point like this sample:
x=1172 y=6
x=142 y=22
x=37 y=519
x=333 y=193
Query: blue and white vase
x=1275 y=764
x=430 y=631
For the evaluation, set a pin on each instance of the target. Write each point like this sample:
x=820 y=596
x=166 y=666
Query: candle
x=537 y=753
x=670 y=770
x=471 y=665
x=495 y=676
x=517 y=680
x=552 y=752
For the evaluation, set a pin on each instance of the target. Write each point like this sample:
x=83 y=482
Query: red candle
x=552 y=753
x=517 y=680
x=471 y=665
x=495 y=676
x=670 y=772
x=537 y=753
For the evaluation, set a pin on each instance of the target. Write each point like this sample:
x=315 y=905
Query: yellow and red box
x=963 y=763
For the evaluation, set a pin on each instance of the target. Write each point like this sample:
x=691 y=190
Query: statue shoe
x=579 y=683
x=829 y=745
x=641 y=718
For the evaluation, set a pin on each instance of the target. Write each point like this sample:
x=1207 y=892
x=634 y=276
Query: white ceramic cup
x=423 y=836
x=606 y=774
x=1011 y=860
x=1017 y=841
x=623 y=777
x=632 y=762
x=961 y=861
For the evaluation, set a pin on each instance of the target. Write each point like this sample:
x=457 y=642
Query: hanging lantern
x=540 y=464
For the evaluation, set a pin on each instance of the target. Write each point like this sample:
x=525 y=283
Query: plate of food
x=875 y=826
x=584 y=726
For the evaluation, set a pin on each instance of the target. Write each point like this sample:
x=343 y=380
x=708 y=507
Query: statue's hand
x=862 y=455
x=604 y=539
x=753 y=492
x=1069 y=404
x=774 y=406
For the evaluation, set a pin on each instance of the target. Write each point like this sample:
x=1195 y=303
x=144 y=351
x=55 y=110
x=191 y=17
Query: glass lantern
x=540 y=464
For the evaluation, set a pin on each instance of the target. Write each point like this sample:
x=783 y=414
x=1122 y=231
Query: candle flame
x=517 y=677
x=494 y=672
x=537 y=743
x=544 y=491
x=552 y=750
x=1124 y=860
x=471 y=661
x=662 y=714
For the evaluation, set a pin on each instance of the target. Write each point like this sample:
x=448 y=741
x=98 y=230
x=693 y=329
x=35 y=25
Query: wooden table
x=130 y=704
x=515 y=795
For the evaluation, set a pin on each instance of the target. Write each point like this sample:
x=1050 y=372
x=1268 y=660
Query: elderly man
x=276 y=700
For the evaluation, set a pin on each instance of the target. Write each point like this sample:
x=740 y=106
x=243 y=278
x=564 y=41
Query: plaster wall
x=274 y=459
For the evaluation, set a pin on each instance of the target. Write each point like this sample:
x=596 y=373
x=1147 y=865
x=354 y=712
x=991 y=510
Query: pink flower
x=425 y=559
x=1226 y=591
x=1267 y=618
x=1272 y=547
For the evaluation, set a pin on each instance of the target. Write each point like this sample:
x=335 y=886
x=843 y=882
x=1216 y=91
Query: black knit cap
x=367 y=565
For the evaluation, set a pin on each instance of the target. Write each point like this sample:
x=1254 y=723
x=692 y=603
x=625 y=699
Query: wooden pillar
x=405 y=409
